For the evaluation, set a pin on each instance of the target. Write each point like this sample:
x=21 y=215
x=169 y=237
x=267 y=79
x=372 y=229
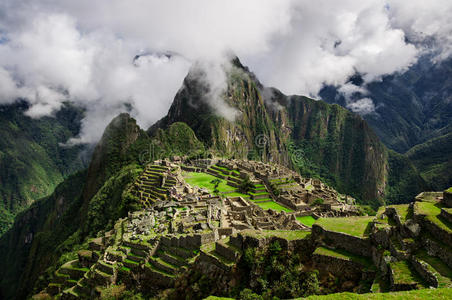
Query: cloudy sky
x=83 y=51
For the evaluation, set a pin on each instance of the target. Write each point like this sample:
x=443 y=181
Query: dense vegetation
x=412 y=107
x=434 y=162
x=32 y=163
x=51 y=231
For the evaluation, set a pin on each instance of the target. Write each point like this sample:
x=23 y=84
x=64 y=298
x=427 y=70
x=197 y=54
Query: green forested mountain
x=85 y=203
x=414 y=116
x=313 y=137
x=411 y=107
x=32 y=162
x=317 y=139
x=433 y=159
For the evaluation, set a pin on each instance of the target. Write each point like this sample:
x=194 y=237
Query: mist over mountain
x=261 y=149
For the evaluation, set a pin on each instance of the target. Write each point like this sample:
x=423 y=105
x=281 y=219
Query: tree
x=310 y=285
x=317 y=201
x=246 y=185
x=216 y=183
x=247 y=294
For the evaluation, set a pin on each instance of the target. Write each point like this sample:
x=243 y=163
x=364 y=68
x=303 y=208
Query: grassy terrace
x=430 y=196
x=233 y=172
x=432 y=212
x=273 y=205
x=443 y=272
x=425 y=294
x=366 y=262
x=356 y=226
x=403 y=211
x=405 y=274
x=236 y=194
x=289 y=235
x=203 y=180
x=306 y=220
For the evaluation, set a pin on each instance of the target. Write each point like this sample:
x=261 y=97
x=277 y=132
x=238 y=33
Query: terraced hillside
x=199 y=233
x=153 y=184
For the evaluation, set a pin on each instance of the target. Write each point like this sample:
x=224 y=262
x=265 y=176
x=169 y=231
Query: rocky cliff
x=318 y=139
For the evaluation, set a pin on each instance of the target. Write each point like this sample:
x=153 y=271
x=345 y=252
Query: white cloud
x=421 y=20
x=83 y=51
x=362 y=106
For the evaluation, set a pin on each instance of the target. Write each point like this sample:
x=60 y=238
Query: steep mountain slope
x=318 y=139
x=434 y=161
x=32 y=163
x=82 y=205
x=412 y=107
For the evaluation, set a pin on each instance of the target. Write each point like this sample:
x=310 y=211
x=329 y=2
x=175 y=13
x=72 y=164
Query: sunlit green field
x=203 y=180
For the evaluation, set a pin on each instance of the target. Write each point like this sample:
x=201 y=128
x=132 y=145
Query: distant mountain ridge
x=413 y=111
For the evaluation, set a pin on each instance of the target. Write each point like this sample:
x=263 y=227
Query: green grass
x=432 y=212
x=261 y=200
x=356 y=226
x=203 y=180
x=306 y=220
x=124 y=269
x=430 y=196
x=131 y=261
x=404 y=273
x=448 y=210
x=449 y=190
x=236 y=194
x=339 y=253
x=444 y=273
x=258 y=194
x=424 y=294
x=427 y=208
x=403 y=211
x=273 y=205
x=289 y=235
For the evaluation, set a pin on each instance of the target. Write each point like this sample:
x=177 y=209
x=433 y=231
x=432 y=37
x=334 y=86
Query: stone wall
x=391 y=212
x=149 y=280
x=227 y=231
x=447 y=199
x=236 y=240
x=438 y=232
x=423 y=270
x=381 y=236
x=225 y=251
x=352 y=244
x=446 y=215
x=435 y=249
x=344 y=269
x=188 y=241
